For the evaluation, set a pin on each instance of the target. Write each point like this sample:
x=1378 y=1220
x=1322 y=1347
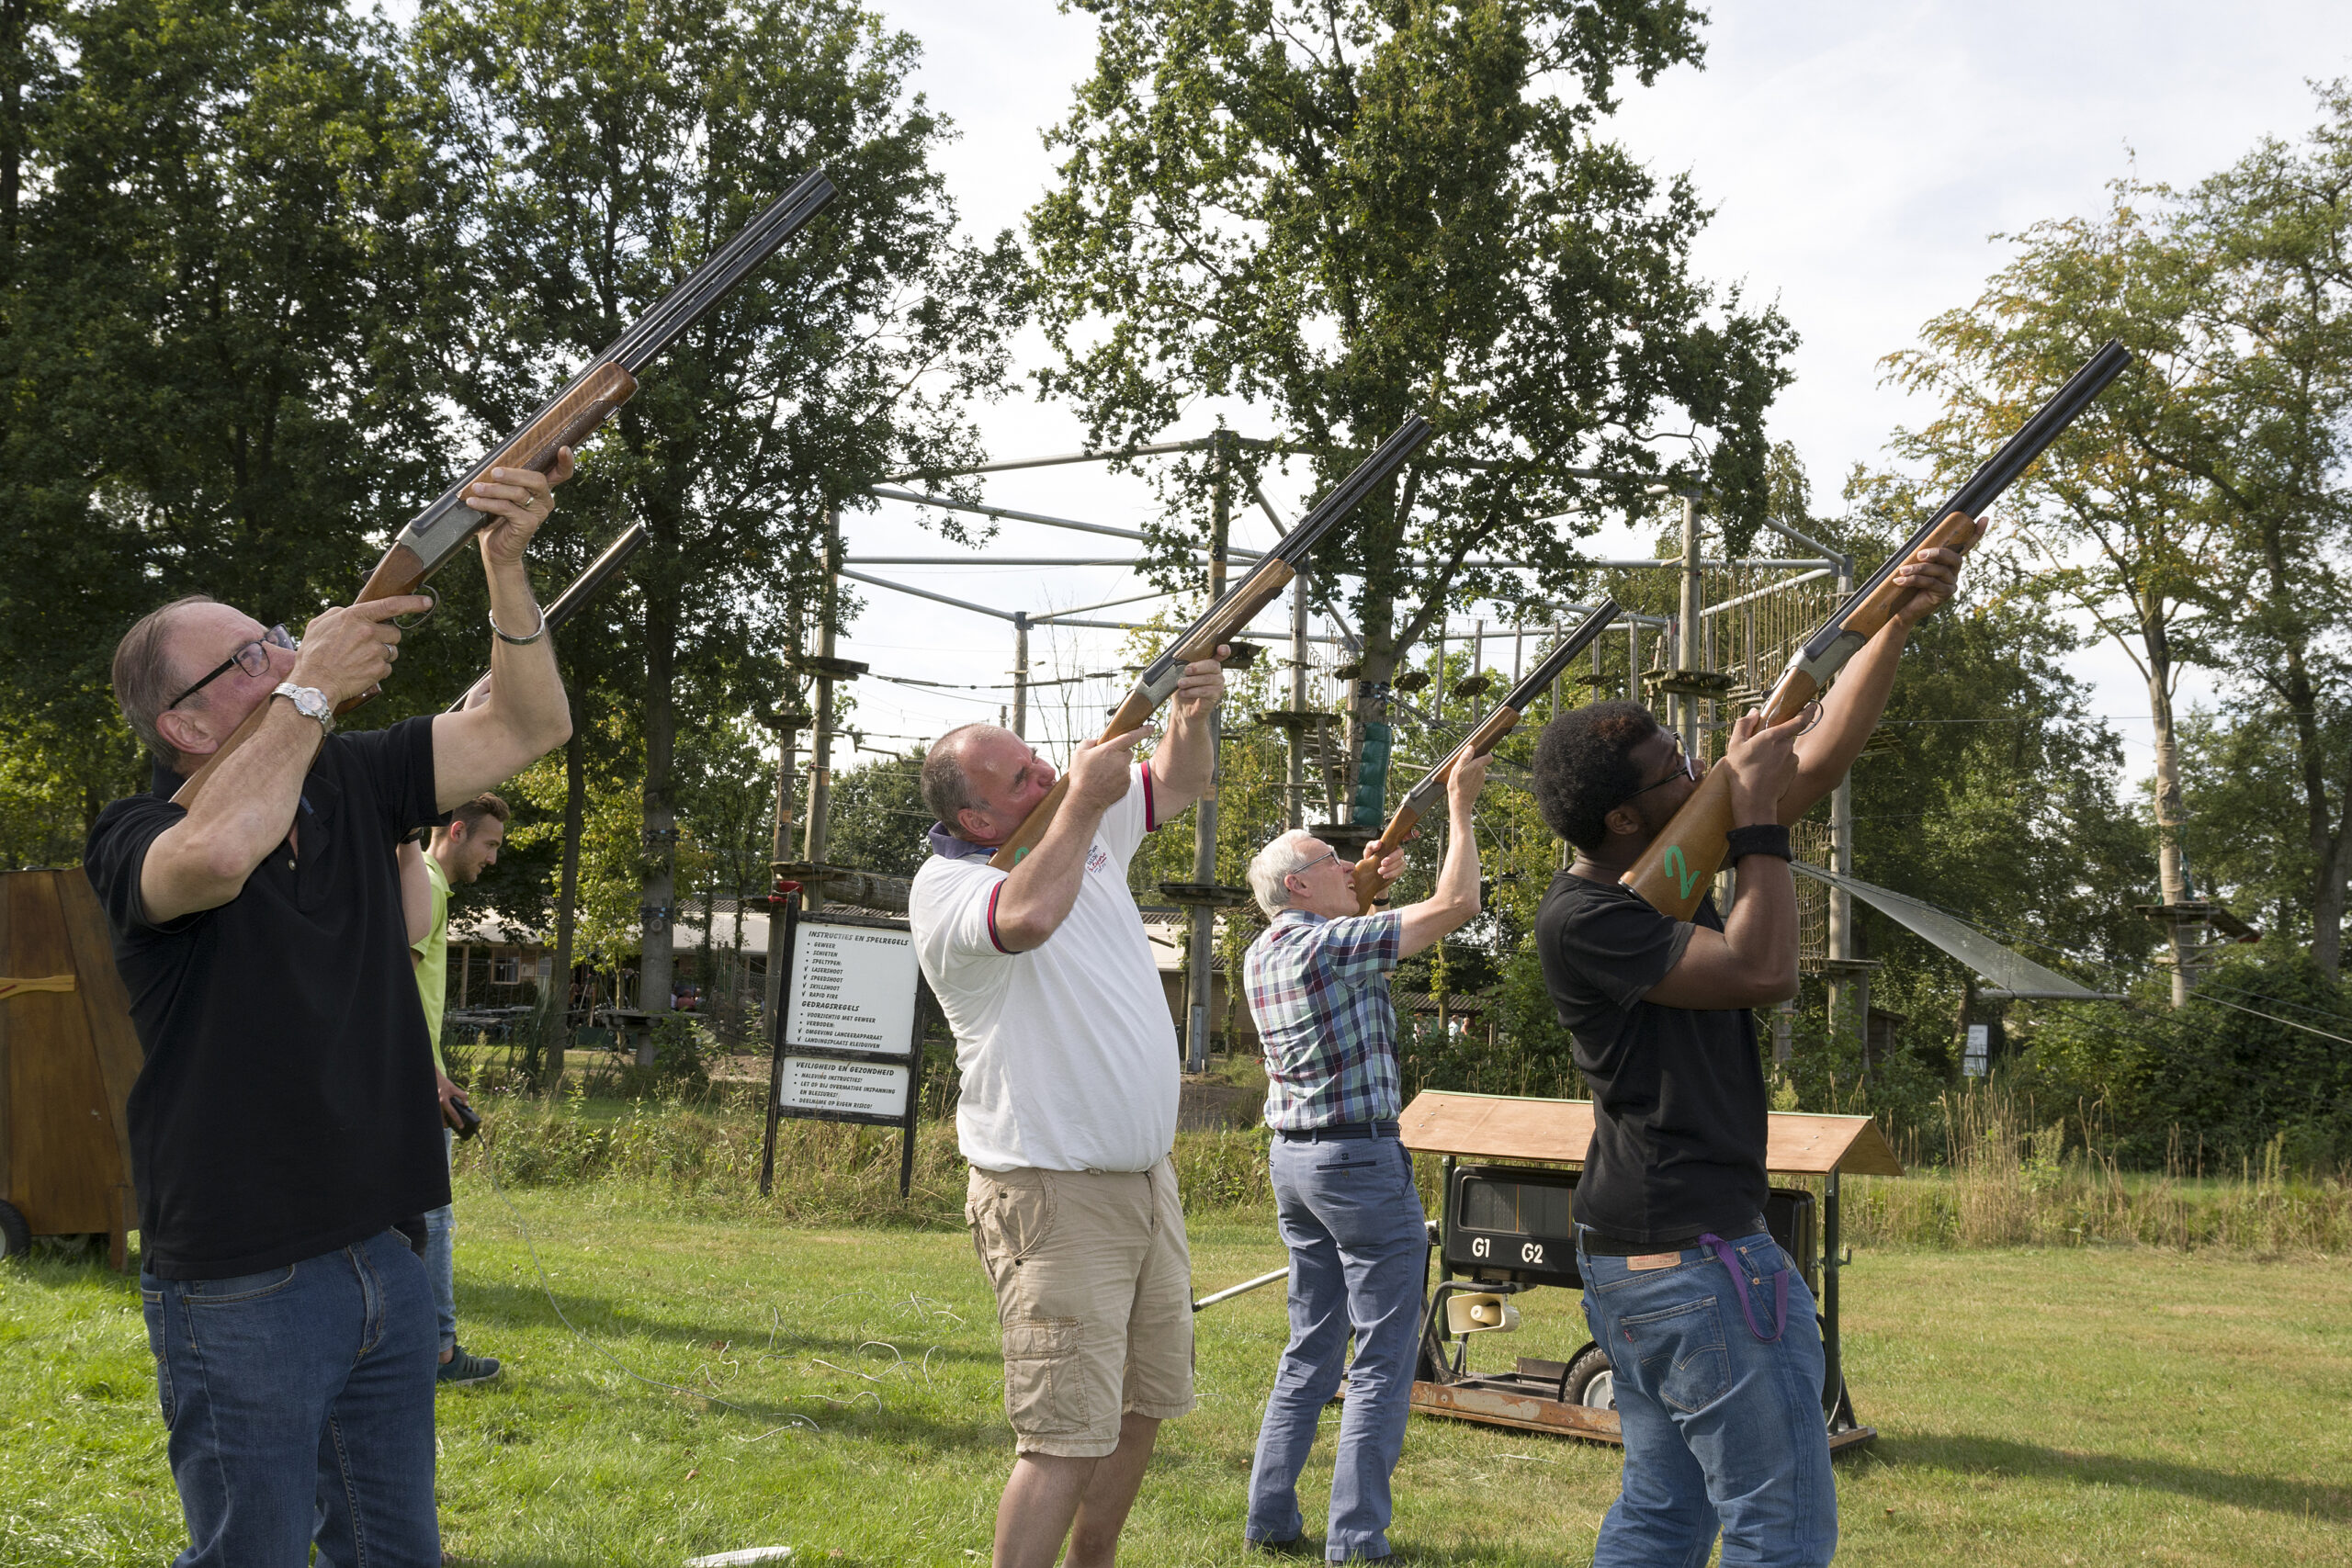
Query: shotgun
x=1686 y=854
x=568 y=602
x=1225 y=619
x=434 y=535
x=1484 y=738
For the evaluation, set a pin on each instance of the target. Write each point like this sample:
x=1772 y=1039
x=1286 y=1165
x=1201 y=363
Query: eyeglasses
x=1688 y=768
x=253 y=658
x=1318 y=860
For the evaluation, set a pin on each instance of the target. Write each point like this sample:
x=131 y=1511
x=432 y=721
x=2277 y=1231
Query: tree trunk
x=567 y=901
x=2171 y=874
x=658 y=905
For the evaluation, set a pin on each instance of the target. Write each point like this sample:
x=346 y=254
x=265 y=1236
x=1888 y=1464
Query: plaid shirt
x=1318 y=990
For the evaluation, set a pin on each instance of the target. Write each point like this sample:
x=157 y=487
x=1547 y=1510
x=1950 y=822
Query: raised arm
x=1851 y=707
x=1455 y=904
x=1752 y=962
x=1038 y=892
x=201 y=861
x=526 y=715
x=1185 y=764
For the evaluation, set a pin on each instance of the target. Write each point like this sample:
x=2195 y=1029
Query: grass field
x=2076 y=1407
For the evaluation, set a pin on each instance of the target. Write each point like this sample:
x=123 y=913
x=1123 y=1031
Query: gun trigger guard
x=410 y=622
x=1813 y=723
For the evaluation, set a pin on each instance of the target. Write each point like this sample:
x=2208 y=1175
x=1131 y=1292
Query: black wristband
x=1763 y=838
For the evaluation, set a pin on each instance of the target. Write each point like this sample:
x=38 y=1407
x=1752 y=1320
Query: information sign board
x=852 y=989
x=1972 y=1060
x=847 y=1037
x=830 y=1087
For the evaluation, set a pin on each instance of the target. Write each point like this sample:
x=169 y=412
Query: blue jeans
x=299 y=1404
x=1722 y=1430
x=1359 y=1256
x=440 y=1263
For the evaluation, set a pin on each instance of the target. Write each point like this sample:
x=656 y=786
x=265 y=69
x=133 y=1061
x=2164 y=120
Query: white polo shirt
x=1067 y=1052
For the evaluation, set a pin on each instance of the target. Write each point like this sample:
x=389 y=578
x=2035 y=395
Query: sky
x=1861 y=158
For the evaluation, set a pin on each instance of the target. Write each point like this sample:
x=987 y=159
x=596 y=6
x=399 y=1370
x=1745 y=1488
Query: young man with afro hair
x=1709 y=1327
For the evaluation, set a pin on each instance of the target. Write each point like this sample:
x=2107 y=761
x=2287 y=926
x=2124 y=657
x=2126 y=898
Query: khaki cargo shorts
x=1094 y=1296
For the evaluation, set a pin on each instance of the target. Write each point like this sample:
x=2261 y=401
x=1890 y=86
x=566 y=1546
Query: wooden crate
x=68 y=1057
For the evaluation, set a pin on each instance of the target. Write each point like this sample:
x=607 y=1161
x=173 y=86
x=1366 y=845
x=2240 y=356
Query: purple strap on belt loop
x=1730 y=1260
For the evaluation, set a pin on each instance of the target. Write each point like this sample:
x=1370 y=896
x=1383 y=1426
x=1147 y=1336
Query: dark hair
x=471 y=812
x=1584 y=768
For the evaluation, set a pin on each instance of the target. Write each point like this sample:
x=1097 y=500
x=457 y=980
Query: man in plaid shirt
x=1343 y=1185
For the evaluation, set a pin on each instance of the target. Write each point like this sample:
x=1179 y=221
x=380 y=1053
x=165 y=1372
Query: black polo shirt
x=287 y=1104
x=1680 y=1107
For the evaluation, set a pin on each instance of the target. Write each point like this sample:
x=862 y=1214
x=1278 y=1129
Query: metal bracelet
x=519 y=641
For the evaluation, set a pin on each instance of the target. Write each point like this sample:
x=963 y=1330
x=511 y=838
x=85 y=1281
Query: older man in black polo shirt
x=284 y=1126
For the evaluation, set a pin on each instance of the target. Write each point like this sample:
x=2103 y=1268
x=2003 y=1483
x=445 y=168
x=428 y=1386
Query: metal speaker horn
x=1474 y=1314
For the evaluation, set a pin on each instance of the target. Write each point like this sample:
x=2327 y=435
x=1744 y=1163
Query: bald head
x=170 y=650
x=982 y=782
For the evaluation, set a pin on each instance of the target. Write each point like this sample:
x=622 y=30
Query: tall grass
x=2011 y=1177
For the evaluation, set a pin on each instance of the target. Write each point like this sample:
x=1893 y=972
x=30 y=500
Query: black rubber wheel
x=16 y=1237
x=1591 y=1381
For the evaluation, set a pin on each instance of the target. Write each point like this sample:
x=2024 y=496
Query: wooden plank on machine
x=1514 y=1127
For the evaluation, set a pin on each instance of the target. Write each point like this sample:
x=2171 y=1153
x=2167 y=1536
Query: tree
x=1352 y=212
x=219 y=255
x=2100 y=523
x=611 y=149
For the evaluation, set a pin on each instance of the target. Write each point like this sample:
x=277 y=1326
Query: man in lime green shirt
x=457 y=854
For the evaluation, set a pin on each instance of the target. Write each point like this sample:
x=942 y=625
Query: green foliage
x=877 y=820
x=1351 y=211
x=2216 y=1083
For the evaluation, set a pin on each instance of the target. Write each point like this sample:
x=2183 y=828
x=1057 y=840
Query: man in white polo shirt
x=1067 y=1113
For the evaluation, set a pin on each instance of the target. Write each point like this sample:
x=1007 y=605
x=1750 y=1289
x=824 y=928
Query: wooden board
x=67 y=1061
x=1534 y=1413
x=1512 y=1127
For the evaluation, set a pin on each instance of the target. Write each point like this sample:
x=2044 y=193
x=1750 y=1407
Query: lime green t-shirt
x=432 y=961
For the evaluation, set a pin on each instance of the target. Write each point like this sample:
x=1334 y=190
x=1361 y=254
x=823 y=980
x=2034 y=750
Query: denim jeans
x=1359 y=1258
x=440 y=1262
x=299 y=1404
x=1722 y=1430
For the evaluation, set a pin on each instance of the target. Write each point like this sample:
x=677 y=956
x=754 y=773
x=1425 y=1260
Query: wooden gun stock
x=567 y=422
x=1673 y=873
x=1365 y=876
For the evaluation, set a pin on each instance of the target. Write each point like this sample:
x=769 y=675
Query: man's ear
x=971 y=824
x=184 y=733
x=1623 y=821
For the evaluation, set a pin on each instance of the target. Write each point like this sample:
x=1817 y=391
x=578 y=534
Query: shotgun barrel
x=1688 y=851
x=1225 y=619
x=584 y=588
x=436 y=534
x=1489 y=734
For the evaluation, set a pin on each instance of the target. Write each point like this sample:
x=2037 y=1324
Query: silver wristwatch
x=310 y=701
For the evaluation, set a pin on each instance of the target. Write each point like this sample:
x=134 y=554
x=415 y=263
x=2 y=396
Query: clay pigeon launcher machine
x=1509 y=1176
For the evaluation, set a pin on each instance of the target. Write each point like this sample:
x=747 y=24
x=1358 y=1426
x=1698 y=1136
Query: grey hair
x=1269 y=872
x=142 y=677
x=946 y=791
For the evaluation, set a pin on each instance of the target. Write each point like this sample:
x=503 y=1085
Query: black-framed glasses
x=1687 y=769
x=253 y=658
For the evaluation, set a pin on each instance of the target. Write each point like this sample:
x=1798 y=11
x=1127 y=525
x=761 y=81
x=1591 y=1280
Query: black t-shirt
x=287 y=1104
x=1679 y=1110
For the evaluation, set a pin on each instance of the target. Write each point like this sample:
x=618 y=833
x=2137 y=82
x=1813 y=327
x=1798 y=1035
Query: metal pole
x=1686 y=634
x=1199 y=980
x=820 y=759
x=1841 y=861
x=1632 y=661
x=1021 y=673
x=788 y=736
x=1295 y=817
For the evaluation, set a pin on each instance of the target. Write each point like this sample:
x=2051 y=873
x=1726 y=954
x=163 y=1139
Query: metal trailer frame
x=1507 y=1134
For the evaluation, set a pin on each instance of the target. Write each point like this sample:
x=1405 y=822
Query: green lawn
x=2079 y=1406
